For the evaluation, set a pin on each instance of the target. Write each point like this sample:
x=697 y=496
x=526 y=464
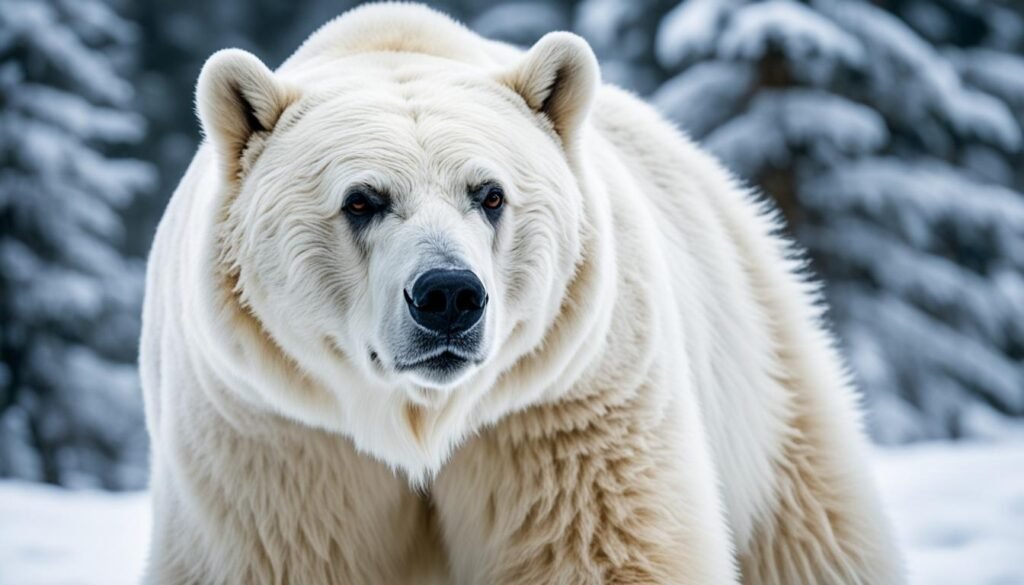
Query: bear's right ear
x=238 y=96
x=558 y=78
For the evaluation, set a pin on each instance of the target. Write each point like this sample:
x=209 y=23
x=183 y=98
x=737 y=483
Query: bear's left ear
x=558 y=78
x=237 y=97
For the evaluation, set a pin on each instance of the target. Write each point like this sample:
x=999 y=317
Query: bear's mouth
x=444 y=363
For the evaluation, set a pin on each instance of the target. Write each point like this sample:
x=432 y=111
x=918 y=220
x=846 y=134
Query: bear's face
x=407 y=217
x=411 y=228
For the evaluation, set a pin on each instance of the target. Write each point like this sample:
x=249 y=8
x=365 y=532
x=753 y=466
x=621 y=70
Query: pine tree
x=70 y=408
x=896 y=155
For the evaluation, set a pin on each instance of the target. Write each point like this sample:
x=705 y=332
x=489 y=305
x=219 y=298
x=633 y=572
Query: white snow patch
x=687 y=31
x=54 y=536
x=800 y=32
x=958 y=509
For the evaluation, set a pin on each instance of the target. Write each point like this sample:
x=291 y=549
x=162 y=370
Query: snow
x=1002 y=74
x=922 y=325
x=803 y=35
x=941 y=361
x=958 y=510
x=54 y=536
x=777 y=123
x=39 y=22
x=687 y=31
x=77 y=115
x=928 y=84
x=705 y=96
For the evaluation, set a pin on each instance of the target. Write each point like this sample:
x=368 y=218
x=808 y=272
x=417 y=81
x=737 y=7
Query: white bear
x=428 y=308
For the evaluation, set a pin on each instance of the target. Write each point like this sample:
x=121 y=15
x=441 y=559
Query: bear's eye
x=489 y=197
x=494 y=198
x=358 y=204
x=363 y=203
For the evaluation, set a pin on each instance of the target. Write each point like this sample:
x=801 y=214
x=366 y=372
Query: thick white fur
x=659 y=402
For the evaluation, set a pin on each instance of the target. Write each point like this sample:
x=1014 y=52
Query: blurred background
x=889 y=133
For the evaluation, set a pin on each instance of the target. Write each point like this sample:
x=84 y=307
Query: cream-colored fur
x=656 y=400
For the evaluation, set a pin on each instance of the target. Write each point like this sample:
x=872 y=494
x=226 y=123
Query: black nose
x=447 y=302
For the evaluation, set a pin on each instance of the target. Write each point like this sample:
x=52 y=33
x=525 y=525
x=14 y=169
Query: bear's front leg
x=584 y=492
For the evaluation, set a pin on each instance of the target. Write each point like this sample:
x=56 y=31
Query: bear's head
x=402 y=227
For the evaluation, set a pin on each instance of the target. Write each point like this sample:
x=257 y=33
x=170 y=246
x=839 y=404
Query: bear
x=430 y=308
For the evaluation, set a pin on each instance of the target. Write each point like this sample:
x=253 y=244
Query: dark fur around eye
x=362 y=205
x=490 y=198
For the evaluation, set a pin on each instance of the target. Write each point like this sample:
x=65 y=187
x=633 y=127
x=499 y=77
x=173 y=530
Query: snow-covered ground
x=959 y=511
x=958 y=508
x=52 y=536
